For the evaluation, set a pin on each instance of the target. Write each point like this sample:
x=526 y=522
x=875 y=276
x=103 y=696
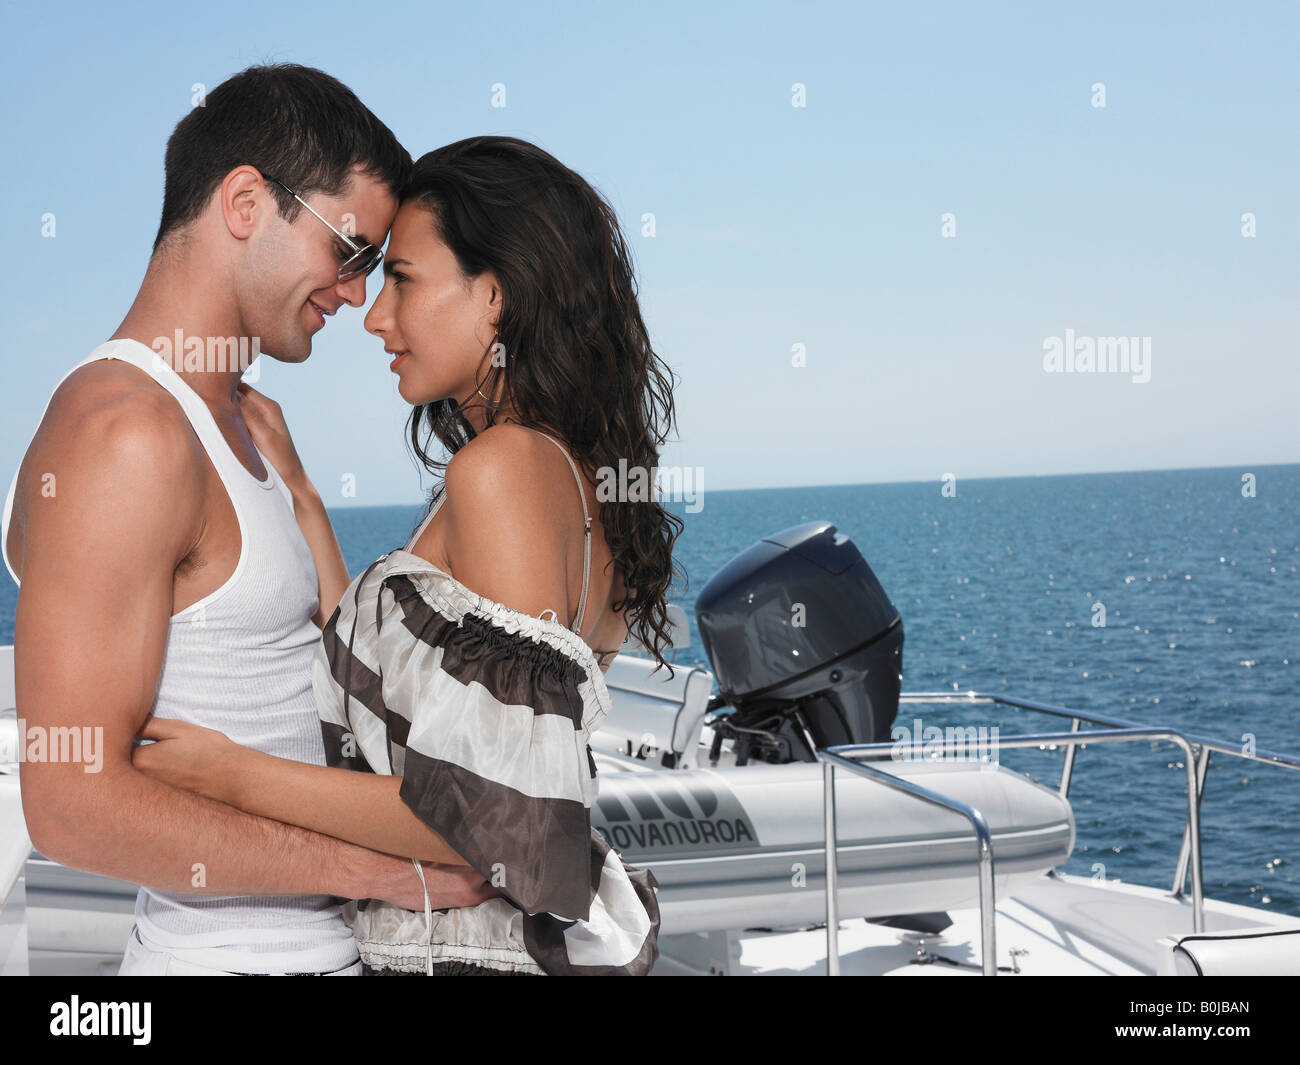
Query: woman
x=455 y=713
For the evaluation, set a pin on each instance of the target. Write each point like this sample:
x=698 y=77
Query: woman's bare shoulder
x=501 y=534
x=509 y=469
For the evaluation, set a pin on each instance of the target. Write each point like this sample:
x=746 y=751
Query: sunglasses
x=364 y=257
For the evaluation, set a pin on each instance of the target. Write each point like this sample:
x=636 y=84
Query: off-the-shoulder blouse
x=485 y=712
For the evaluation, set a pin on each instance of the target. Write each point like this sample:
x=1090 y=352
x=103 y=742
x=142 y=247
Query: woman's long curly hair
x=578 y=357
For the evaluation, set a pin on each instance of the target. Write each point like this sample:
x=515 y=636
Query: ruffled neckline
x=464 y=600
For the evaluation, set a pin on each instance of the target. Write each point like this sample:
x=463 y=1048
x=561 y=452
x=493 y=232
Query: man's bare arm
x=100 y=541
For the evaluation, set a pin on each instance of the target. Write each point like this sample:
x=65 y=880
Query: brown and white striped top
x=486 y=713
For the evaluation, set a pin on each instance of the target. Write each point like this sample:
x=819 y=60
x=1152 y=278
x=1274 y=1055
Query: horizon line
x=879 y=484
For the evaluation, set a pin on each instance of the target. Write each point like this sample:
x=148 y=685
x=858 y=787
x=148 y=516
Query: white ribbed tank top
x=240 y=661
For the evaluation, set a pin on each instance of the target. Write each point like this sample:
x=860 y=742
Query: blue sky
x=776 y=225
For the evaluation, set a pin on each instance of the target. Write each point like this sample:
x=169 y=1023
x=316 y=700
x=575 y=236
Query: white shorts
x=139 y=960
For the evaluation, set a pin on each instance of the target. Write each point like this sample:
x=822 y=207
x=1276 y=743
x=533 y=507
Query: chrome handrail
x=831 y=757
x=1180 y=872
x=1067 y=770
x=835 y=756
x=1196 y=749
x=1204 y=744
x=1222 y=746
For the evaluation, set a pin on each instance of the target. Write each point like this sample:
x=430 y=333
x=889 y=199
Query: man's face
x=290 y=284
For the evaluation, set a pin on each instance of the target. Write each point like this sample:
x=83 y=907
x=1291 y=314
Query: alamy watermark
x=955 y=743
x=1080 y=354
x=208 y=354
x=77 y=1018
x=636 y=484
x=61 y=743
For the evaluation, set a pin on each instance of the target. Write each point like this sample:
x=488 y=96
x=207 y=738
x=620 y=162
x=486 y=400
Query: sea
x=1166 y=597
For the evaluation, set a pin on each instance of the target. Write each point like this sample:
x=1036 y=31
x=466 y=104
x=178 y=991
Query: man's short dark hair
x=292 y=122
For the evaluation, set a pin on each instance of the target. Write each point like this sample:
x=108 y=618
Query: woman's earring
x=479 y=389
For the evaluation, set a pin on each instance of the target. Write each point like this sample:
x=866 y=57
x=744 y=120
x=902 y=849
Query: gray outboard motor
x=805 y=645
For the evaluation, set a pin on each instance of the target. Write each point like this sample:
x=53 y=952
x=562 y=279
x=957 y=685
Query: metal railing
x=1196 y=750
x=833 y=756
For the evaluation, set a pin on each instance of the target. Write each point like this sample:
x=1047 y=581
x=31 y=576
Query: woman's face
x=439 y=325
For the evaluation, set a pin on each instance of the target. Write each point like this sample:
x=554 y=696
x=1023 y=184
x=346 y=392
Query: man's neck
x=171 y=308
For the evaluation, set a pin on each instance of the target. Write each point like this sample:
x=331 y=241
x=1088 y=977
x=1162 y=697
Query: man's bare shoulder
x=110 y=384
x=119 y=446
x=110 y=412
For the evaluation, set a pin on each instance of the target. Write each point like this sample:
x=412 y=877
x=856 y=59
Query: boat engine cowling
x=804 y=644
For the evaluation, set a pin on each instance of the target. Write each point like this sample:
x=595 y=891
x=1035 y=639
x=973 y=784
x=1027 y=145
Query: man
x=160 y=562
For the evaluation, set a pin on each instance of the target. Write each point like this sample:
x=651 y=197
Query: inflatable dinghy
x=721 y=795
x=743 y=848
